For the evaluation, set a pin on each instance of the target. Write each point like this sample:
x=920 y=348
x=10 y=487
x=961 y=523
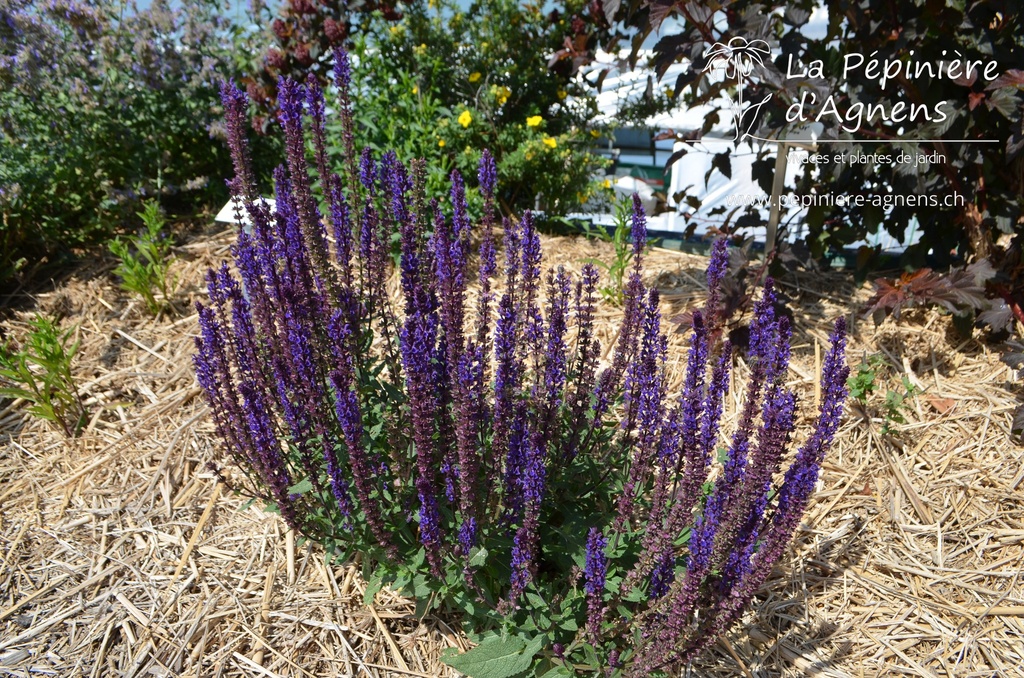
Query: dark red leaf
x=1011 y=78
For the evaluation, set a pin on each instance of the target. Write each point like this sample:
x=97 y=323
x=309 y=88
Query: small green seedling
x=620 y=238
x=896 y=402
x=862 y=384
x=865 y=382
x=40 y=372
x=145 y=259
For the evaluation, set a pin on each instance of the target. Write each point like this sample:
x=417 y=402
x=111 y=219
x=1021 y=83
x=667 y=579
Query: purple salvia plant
x=744 y=569
x=726 y=501
x=588 y=349
x=487 y=176
x=555 y=353
x=678 y=439
x=419 y=351
x=633 y=300
x=341 y=224
x=532 y=482
x=364 y=468
x=291 y=98
x=315 y=104
x=717 y=268
x=508 y=367
x=358 y=414
x=530 y=275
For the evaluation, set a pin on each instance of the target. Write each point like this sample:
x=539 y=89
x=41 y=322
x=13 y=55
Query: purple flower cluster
x=738 y=533
x=471 y=413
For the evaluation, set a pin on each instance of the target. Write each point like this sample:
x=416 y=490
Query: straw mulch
x=121 y=556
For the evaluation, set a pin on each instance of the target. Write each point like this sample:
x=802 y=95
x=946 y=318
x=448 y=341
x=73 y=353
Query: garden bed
x=121 y=554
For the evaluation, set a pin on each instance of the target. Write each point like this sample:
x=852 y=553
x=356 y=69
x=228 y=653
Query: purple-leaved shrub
x=468 y=440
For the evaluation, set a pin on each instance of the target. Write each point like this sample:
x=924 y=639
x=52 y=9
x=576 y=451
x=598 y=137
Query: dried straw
x=121 y=556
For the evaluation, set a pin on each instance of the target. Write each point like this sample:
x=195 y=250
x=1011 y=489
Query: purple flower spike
x=717 y=267
x=663 y=575
x=555 y=351
x=639 y=231
x=342 y=69
x=343 y=80
x=315 y=102
x=644 y=408
x=803 y=474
x=368 y=171
x=488 y=175
x=596 y=567
x=292 y=98
x=236 y=119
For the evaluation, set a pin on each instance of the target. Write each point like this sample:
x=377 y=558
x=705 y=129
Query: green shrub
x=488 y=66
x=101 y=105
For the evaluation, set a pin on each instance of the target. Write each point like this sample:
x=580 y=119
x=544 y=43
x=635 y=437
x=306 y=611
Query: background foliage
x=101 y=105
x=988 y=175
x=440 y=83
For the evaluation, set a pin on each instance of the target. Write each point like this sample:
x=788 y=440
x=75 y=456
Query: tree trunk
x=977 y=234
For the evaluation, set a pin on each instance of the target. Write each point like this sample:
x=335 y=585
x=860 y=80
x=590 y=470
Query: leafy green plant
x=145 y=259
x=897 y=401
x=443 y=81
x=862 y=384
x=619 y=266
x=40 y=372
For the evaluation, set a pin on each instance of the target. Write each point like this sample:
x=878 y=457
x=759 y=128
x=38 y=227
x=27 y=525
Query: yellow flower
x=440 y=143
x=529 y=155
x=502 y=94
x=474 y=77
x=483 y=45
x=562 y=94
x=594 y=133
x=607 y=183
x=465 y=118
x=415 y=89
x=549 y=142
x=395 y=30
x=534 y=121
